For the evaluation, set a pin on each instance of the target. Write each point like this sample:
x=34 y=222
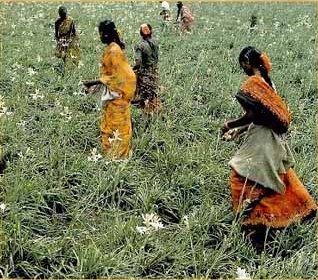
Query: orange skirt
x=116 y=129
x=263 y=206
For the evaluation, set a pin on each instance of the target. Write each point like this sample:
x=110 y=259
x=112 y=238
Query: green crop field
x=67 y=214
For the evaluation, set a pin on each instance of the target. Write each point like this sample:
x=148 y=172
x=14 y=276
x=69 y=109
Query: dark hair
x=148 y=39
x=108 y=27
x=148 y=35
x=62 y=10
x=252 y=56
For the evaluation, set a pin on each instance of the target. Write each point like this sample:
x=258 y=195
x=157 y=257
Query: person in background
x=165 y=5
x=146 y=67
x=165 y=15
x=185 y=16
x=265 y=189
x=120 y=82
x=67 y=39
x=253 y=23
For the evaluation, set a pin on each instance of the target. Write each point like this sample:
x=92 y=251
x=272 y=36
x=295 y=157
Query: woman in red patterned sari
x=186 y=17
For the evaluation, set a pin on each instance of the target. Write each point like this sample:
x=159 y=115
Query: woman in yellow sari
x=265 y=189
x=67 y=39
x=120 y=82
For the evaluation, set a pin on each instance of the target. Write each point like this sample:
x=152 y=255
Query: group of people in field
x=265 y=190
x=184 y=16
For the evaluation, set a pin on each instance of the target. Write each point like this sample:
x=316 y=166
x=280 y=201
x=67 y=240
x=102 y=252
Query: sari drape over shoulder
x=266 y=102
x=147 y=54
x=116 y=129
x=187 y=19
x=263 y=183
x=68 y=41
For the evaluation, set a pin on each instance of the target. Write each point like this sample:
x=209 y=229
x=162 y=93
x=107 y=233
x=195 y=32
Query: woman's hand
x=88 y=90
x=231 y=134
x=88 y=84
x=136 y=67
x=225 y=129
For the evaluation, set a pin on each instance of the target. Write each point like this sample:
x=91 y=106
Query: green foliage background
x=67 y=217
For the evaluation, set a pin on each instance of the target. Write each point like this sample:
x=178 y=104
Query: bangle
x=227 y=125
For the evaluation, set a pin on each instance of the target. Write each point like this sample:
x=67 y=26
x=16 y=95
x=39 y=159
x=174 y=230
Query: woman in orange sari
x=266 y=192
x=120 y=82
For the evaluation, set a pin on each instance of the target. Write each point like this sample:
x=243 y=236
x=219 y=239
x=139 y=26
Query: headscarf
x=165 y=6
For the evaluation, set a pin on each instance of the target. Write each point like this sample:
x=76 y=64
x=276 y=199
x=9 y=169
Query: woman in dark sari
x=146 y=68
x=67 y=38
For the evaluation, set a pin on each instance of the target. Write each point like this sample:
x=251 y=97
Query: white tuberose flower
x=152 y=220
x=94 y=156
x=31 y=72
x=152 y=223
x=67 y=113
x=21 y=123
x=241 y=274
x=186 y=221
x=142 y=230
x=29 y=83
x=2 y=207
x=17 y=65
x=116 y=136
x=77 y=93
x=3 y=109
x=2 y=104
x=37 y=95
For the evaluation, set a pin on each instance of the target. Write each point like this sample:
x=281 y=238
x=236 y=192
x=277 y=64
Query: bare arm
x=234 y=133
x=244 y=120
x=138 y=58
x=91 y=83
x=240 y=122
x=178 y=14
x=57 y=24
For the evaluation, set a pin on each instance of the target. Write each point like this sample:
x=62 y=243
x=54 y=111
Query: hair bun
x=266 y=62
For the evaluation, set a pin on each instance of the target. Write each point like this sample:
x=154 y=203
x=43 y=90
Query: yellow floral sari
x=118 y=76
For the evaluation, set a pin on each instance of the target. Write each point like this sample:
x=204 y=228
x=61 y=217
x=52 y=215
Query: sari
x=187 y=19
x=265 y=189
x=116 y=128
x=165 y=19
x=67 y=46
x=147 y=93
